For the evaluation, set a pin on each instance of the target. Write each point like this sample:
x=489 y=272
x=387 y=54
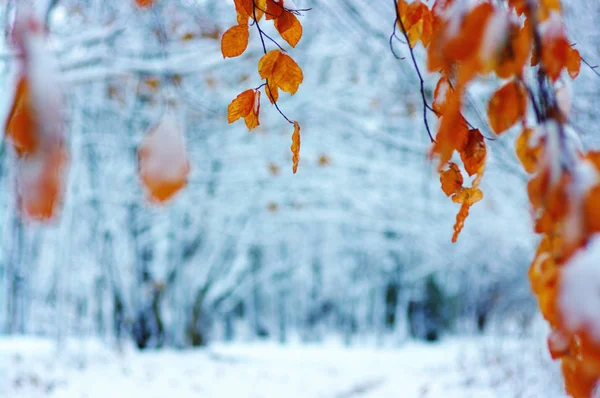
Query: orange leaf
x=514 y=55
x=468 y=195
x=274 y=9
x=528 y=156
x=441 y=96
x=21 y=124
x=251 y=118
x=591 y=210
x=241 y=106
x=507 y=106
x=144 y=3
x=272 y=93
x=474 y=153
x=289 y=28
x=462 y=215
x=281 y=70
x=40 y=182
x=451 y=180
x=163 y=163
x=574 y=63
x=417 y=20
x=295 y=147
x=235 y=41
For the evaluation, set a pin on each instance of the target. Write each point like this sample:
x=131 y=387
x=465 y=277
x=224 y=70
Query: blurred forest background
x=356 y=245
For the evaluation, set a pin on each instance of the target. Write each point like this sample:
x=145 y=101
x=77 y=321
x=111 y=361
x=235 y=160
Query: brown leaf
x=251 y=118
x=295 y=147
x=235 y=41
x=272 y=93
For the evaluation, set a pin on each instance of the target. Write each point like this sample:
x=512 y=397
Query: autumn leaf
x=574 y=63
x=246 y=105
x=512 y=58
x=529 y=156
x=451 y=179
x=507 y=106
x=441 y=96
x=275 y=8
x=144 y=3
x=163 y=163
x=21 y=125
x=295 y=147
x=246 y=9
x=40 y=183
x=474 y=153
x=289 y=28
x=272 y=93
x=416 y=18
x=280 y=70
x=235 y=41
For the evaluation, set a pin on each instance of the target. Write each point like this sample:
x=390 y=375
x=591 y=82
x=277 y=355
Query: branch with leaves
x=508 y=39
x=278 y=70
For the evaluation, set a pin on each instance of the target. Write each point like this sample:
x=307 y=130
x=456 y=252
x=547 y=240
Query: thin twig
x=264 y=46
x=414 y=61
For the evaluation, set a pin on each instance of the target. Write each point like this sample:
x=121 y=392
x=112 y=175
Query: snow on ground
x=455 y=368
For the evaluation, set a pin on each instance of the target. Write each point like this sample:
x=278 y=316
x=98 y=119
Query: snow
x=579 y=296
x=469 y=367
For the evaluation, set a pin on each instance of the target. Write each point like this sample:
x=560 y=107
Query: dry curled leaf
x=295 y=147
x=235 y=41
x=451 y=179
x=474 y=153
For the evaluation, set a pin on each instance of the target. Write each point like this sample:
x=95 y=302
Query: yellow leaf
x=295 y=147
x=235 y=41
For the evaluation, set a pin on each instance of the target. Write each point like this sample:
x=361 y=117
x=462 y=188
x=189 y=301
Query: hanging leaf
x=295 y=147
x=144 y=3
x=417 y=20
x=507 y=106
x=274 y=9
x=40 y=183
x=574 y=63
x=474 y=153
x=272 y=93
x=235 y=41
x=20 y=126
x=163 y=163
x=281 y=70
x=289 y=28
x=441 y=96
x=451 y=179
x=529 y=156
x=246 y=105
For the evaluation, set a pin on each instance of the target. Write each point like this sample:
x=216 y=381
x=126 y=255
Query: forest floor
x=454 y=368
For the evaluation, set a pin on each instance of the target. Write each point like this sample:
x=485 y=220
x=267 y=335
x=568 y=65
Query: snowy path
x=456 y=368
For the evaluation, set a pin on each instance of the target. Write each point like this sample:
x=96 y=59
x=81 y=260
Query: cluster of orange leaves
x=278 y=70
x=525 y=34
